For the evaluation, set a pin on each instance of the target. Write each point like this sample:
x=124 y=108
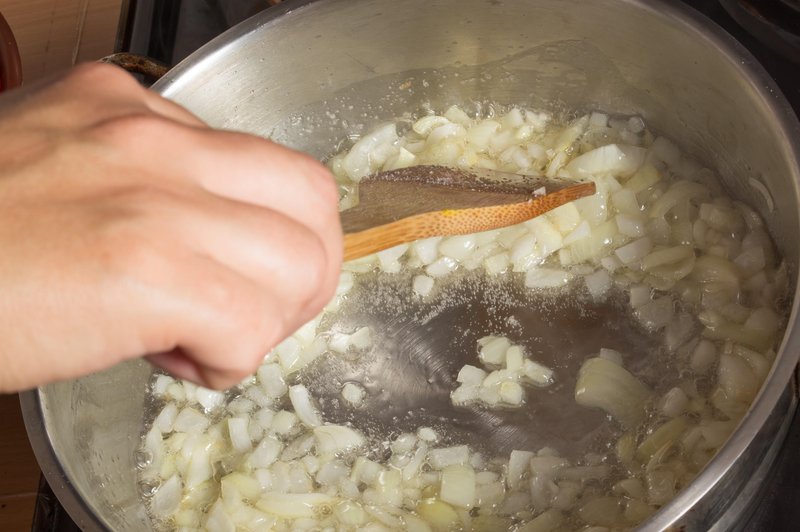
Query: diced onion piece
x=336 y=438
x=666 y=256
x=674 y=402
x=218 y=520
x=583 y=230
x=646 y=177
x=640 y=295
x=361 y=339
x=415 y=524
x=422 y=285
x=388 y=258
x=764 y=320
x=426 y=124
x=303 y=406
x=481 y=133
x=518 y=464
x=427 y=434
x=611 y=355
x=265 y=453
x=736 y=378
x=546 y=278
x=613 y=159
x=190 y=420
x=657 y=313
x=166 y=418
x=294 y=505
x=289 y=352
x=632 y=487
x=353 y=393
x=511 y=393
x=632 y=225
x=514 y=358
x=167 y=498
x=270 y=378
x=537 y=373
x=465 y=394
x=635 y=251
x=339 y=342
x=284 y=422
x=438 y=514
x=547 y=521
x=457 y=247
x=493 y=349
x=606 y=385
x=497 y=264
x=441 y=267
x=447 y=456
x=660 y=486
x=369 y=152
x=664 y=150
x=350 y=513
x=624 y=200
x=471 y=375
x=678 y=193
x=601 y=511
x=667 y=433
x=427 y=250
x=458 y=486
x=240 y=437
x=161 y=384
x=598 y=284
x=566 y=217
x=209 y=399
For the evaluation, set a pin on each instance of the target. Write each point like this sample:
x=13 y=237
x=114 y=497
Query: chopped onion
x=635 y=251
x=422 y=285
x=493 y=349
x=240 y=437
x=613 y=159
x=353 y=393
x=447 y=456
x=609 y=386
x=294 y=505
x=303 y=405
x=458 y=486
x=336 y=438
x=684 y=254
x=546 y=278
x=598 y=284
x=167 y=498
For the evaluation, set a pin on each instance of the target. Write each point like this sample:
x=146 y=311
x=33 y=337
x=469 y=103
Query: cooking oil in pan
x=420 y=345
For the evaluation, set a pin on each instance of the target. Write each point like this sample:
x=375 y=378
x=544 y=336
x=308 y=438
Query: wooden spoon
x=417 y=202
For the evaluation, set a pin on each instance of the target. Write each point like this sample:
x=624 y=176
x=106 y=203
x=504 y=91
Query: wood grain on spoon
x=418 y=202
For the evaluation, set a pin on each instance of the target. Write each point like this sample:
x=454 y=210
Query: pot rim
x=692 y=21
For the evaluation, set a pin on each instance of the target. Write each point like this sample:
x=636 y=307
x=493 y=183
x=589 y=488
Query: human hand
x=130 y=228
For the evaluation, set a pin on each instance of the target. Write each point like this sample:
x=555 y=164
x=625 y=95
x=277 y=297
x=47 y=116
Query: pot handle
x=10 y=63
x=151 y=69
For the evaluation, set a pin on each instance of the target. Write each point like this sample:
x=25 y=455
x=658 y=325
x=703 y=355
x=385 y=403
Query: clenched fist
x=130 y=228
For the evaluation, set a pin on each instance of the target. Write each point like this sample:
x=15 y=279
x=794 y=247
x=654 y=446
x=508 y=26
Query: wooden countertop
x=19 y=472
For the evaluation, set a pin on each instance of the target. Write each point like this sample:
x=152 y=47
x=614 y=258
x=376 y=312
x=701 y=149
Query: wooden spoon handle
x=457 y=221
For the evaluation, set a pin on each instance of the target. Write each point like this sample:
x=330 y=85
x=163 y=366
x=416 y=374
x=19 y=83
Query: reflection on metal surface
x=420 y=347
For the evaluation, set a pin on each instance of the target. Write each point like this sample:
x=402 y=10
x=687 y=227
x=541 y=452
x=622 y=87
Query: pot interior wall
x=324 y=70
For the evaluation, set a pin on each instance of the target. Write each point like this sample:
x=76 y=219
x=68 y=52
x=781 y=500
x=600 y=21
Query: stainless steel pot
x=286 y=72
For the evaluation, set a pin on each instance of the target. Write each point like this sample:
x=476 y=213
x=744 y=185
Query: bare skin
x=129 y=228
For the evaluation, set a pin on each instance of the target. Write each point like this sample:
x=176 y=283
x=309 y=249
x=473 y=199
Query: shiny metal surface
x=309 y=73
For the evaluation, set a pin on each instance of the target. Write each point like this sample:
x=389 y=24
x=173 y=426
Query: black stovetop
x=170 y=30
